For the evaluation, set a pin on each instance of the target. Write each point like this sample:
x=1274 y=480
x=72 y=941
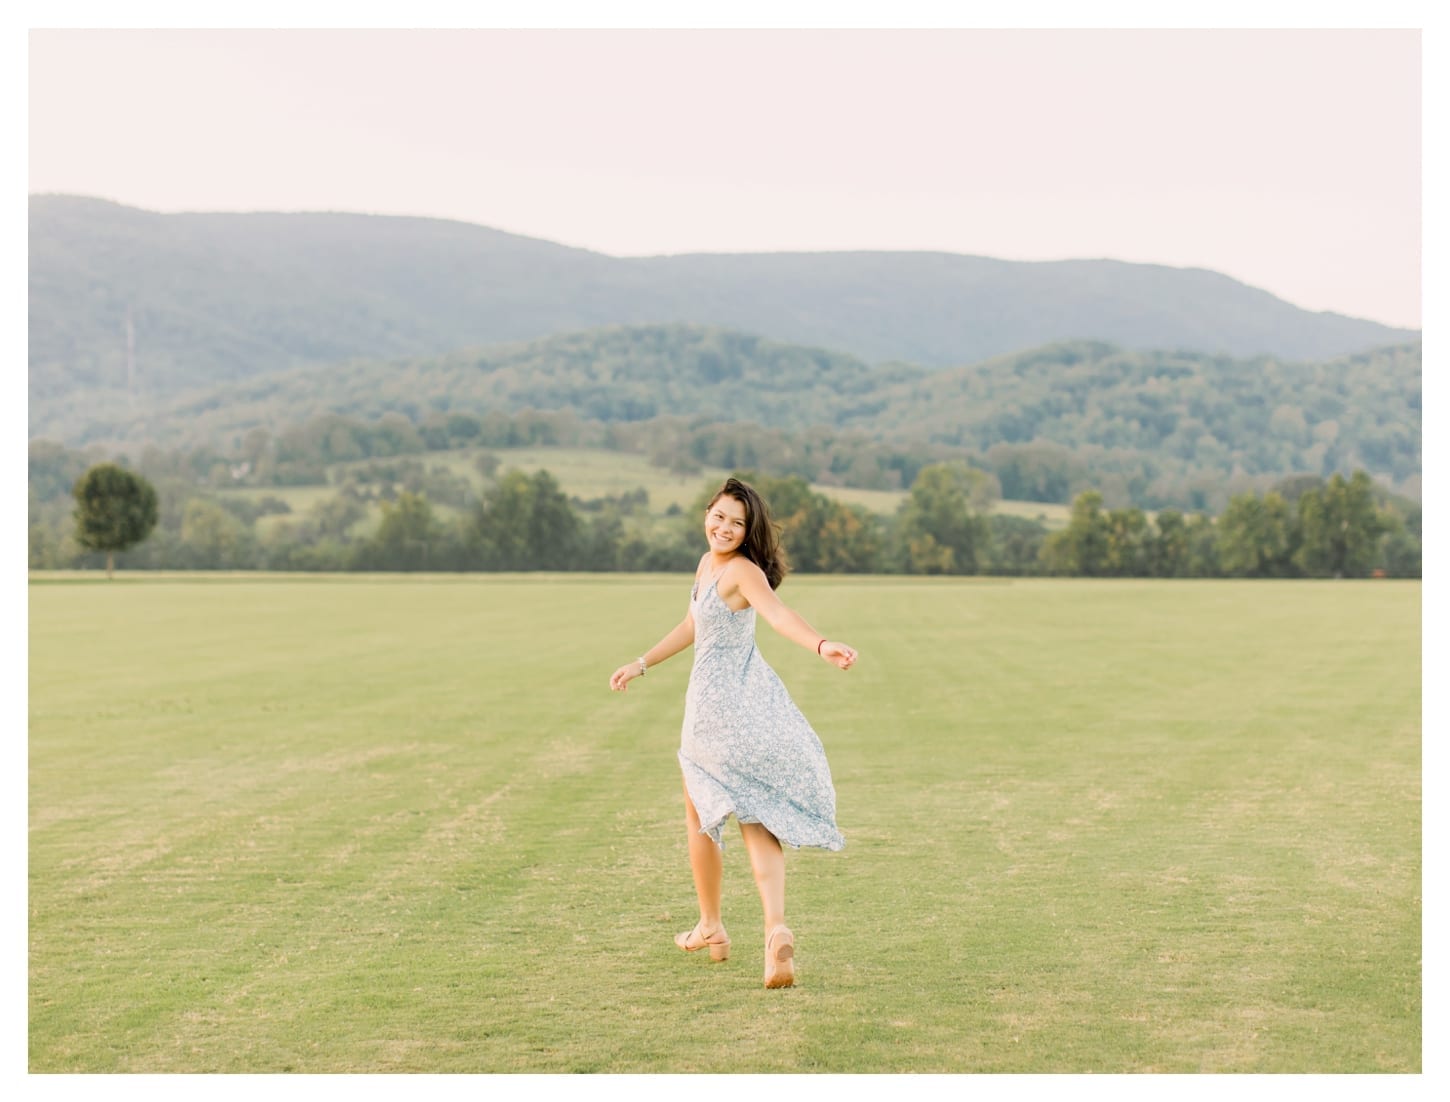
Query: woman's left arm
x=786 y=620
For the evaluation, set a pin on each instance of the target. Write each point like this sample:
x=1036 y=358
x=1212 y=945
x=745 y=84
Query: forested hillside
x=1153 y=428
x=614 y=374
x=130 y=308
x=1137 y=413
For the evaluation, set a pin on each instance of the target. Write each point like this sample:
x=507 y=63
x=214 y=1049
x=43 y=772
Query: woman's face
x=725 y=525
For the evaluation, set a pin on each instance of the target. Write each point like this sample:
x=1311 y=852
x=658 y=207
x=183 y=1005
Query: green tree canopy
x=409 y=537
x=212 y=535
x=1082 y=547
x=115 y=509
x=1129 y=544
x=1255 y=537
x=1202 y=539
x=1339 y=528
x=525 y=522
x=1168 y=548
x=1016 y=544
x=942 y=526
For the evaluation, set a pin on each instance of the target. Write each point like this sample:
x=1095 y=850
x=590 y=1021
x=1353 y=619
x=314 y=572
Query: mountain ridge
x=138 y=306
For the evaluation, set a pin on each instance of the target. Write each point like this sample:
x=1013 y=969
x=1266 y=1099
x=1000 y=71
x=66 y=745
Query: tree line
x=1304 y=527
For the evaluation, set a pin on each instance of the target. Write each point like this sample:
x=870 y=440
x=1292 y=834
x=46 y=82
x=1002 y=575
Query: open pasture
x=333 y=824
x=590 y=473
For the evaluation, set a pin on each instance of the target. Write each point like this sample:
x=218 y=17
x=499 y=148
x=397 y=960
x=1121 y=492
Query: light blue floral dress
x=745 y=747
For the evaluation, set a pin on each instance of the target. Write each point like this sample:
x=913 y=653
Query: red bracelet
x=819 y=645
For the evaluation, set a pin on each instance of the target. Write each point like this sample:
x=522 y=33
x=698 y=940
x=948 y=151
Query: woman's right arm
x=677 y=640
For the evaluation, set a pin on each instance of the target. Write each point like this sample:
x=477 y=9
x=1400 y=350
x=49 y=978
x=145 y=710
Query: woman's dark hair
x=762 y=535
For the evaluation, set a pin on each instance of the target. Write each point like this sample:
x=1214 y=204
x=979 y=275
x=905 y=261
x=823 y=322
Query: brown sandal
x=718 y=943
x=780 y=958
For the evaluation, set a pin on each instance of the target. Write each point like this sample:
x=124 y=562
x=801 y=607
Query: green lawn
x=400 y=824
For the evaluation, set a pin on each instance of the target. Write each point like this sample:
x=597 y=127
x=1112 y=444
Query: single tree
x=942 y=525
x=1128 y=544
x=1256 y=537
x=1168 y=545
x=1080 y=549
x=409 y=536
x=1399 y=548
x=115 y=509
x=524 y=522
x=1203 y=557
x=1340 y=527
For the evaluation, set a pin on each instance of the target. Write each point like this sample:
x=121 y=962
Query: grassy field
x=400 y=824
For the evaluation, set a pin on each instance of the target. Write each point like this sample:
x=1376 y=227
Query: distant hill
x=129 y=308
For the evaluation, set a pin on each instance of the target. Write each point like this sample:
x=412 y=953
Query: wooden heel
x=780 y=958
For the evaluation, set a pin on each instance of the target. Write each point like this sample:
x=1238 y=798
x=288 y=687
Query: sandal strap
x=699 y=940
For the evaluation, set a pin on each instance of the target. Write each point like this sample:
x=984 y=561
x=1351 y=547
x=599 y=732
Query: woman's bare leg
x=706 y=867
x=767 y=861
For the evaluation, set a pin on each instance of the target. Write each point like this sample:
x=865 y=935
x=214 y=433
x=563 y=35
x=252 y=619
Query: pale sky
x=1289 y=160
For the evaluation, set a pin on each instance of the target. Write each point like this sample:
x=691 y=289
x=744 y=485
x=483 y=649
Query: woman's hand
x=838 y=654
x=623 y=676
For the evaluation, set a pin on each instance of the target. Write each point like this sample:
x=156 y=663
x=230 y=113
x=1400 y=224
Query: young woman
x=745 y=747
